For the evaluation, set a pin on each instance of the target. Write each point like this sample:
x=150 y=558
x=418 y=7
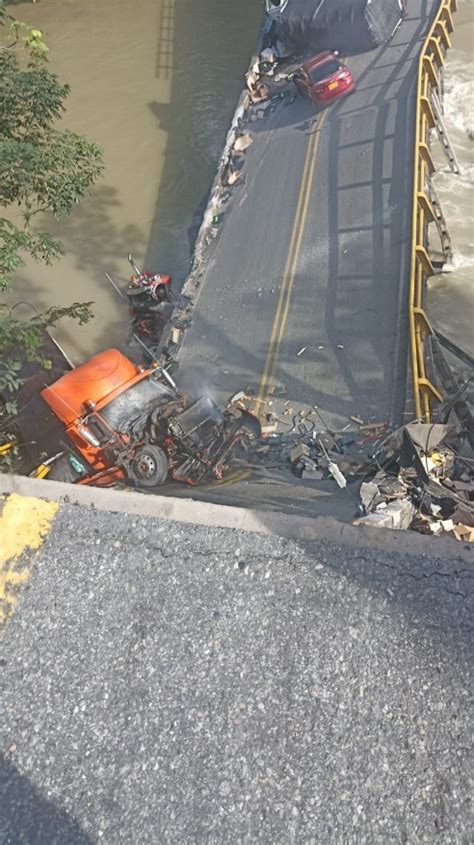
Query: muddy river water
x=155 y=82
x=451 y=294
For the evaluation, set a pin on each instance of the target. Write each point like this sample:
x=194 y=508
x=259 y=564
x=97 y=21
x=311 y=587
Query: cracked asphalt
x=167 y=683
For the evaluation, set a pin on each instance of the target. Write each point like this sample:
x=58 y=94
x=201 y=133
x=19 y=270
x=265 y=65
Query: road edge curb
x=274 y=523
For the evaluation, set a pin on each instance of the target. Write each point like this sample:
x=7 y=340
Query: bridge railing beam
x=429 y=83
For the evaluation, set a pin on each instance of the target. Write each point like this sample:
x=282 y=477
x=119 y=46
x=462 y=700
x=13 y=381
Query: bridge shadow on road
x=372 y=305
x=27 y=818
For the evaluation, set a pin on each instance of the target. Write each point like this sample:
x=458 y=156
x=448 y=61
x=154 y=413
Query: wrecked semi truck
x=126 y=423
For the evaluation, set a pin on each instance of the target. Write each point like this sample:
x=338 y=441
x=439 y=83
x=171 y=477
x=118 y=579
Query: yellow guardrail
x=431 y=61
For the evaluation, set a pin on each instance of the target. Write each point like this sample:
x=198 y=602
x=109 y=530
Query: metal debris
x=422 y=479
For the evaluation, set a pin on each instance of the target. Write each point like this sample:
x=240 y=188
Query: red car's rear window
x=324 y=70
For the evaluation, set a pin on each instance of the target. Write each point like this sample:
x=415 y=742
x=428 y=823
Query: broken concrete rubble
x=396 y=515
x=412 y=477
x=312 y=474
x=422 y=472
x=243 y=142
x=301 y=450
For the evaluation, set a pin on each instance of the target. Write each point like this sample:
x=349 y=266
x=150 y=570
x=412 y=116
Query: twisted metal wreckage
x=418 y=476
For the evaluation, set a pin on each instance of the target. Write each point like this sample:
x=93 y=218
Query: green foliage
x=43 y=169
x=24 y=339
x=33 y=93
x=15 y=241
x=32 y=38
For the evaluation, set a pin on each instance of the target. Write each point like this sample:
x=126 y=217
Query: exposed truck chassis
x=143 y=431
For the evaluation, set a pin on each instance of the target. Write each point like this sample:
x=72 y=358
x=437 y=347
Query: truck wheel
x=148 y=467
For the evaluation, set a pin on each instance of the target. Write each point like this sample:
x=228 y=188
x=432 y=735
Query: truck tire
x=149 y=467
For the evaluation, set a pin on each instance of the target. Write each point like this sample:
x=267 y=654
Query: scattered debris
x=300 y=451
x=268 y=430
x=396 y=515
x=243 y=142
x=377 y=426
x=336 y=473
x=417 y=476
x=422 y=478
x=312 y=474
x=257 y=89
x=233 y=177
x=303 y=349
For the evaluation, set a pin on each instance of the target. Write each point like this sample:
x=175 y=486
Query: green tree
x=44 y=170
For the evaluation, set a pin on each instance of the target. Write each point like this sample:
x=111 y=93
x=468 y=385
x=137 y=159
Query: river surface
x=451 y=294
x=155 y=82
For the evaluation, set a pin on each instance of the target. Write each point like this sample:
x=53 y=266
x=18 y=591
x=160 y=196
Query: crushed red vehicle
x=150 y=306
x=128 y=423
x=324 y=78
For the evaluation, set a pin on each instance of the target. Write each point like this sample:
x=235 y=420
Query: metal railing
x=429 y=82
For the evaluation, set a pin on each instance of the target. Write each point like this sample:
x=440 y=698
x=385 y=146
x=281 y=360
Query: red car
x=324 y=78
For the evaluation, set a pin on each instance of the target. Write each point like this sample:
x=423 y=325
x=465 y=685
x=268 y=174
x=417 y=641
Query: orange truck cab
x=128 y=423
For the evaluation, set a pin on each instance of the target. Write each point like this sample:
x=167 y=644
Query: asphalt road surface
x=167 y=683
x=313 y=248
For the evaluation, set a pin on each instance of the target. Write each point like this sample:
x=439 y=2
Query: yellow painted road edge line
x=24 y=524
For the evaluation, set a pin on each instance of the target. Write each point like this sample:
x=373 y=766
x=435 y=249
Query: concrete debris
x=422 y=478
x=465 y=533
x=300 y=451
x=243 y=142
x=268 y=430
x=417 y=476
x=257 y=89
x=233 y=177
x=312 y=474
x=368 y=492
x=397 y=515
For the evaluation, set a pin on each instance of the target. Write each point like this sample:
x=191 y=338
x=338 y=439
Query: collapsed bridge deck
x=314 y=246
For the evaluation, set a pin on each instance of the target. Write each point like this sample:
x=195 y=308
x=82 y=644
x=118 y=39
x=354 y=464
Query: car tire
x=148 y=467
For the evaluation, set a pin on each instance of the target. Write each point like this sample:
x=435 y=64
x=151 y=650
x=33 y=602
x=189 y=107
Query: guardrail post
x=443 y=135
x=441 y=224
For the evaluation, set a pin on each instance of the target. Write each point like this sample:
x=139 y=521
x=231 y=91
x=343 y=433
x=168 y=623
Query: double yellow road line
x=289 y=275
